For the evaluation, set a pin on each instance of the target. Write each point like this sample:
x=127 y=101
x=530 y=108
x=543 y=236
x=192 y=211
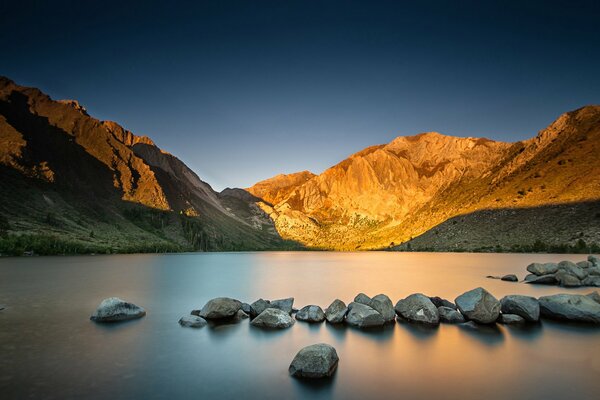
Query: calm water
x=50 y=349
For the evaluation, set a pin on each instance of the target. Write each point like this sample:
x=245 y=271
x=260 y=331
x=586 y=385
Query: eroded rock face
x=273 y=318
x=220 y=308
x=570 y=307
x=525 y=306
x=479 y=305
x=336 y=312
x=114 y=309
x=315 y=361
x=383 y=305
x=418 y=308
x=450 y=315
x=363 y=316
x=311 y=313
x=192 y=321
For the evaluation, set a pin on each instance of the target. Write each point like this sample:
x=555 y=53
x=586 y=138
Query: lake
x=50 y=349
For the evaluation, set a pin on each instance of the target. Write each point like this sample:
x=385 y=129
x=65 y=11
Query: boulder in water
x=541 y=280
x=285 y=305
x=540 y=269
x=479 y=305
x=315 y=361
x=383 y=305
x=336 y=312
x=273 y=318
x=114 y=309
x=418 y=308
x=220 y=308
x=363 y=316
x=570 y=307
x=362 y=299
x=510 y=278
x=525 y=306
x=192 y=321
x=450 y=315
x=311 y=314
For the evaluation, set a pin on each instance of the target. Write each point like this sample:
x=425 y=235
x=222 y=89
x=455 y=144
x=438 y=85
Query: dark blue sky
x=241 y=91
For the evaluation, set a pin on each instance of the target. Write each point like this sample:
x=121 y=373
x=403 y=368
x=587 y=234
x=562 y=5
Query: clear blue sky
x=244 y=90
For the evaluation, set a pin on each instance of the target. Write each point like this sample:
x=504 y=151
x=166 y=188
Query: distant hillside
x=71 y=183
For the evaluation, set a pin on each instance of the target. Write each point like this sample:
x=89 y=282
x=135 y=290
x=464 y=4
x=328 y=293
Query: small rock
x=246 y=308
x=220 y=308
x=114 y=309
x=593 y=271
x=336 y=312
x=565 y=279
x=285 y=305
x=492 y=277
x=362 y=299
x=315 y=361
x=510 y=278
x=258 y=307
x=311 y=314
x=591 y=281
x=363 y=316
x=523 y=306
x=192 y=321
x=541 y=280
x=273 y=318
x=595 y=260
x=383 y=305
x=440 y=302
x=570 y=307
x=511 y=319
x=418 y=308
x=594 y=296
x=584 y=264
x=542 y=269
x=450 y=315
x=479 y=305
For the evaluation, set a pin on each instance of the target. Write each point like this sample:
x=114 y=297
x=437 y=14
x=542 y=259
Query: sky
x=244 y=90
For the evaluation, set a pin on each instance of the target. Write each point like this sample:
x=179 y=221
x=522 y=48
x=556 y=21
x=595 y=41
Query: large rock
x=258 y=307
x=511 y=319
x=595 y=260
x=285 y=305
x=418 y=308
x=315 y=361
x=510 y=278
x=540 y=269
x=363 y=316
x=570 y=307
x=440 y=302
x=566 y=279
x=114 y=309
x=192 y=321
x=336 y=312
x=585 y=264
x=591 y=281
x=524 y=306
x=541 y=280
x=310 y=314
x=362 y=299
x=383 y=305
x=479 y=305
x=572 y=269
x=220 y=308
x=593 y=271
x=450 y=315
x=273 y=318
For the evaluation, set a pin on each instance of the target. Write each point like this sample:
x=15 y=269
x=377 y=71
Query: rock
x=541 y=280
x=584 y=264
x=542 y=269
x=595 y=260
x=311 y=314
x=362 y=299
x=258 y=307
x=114 y=309
x=336 y=312
x=572 y=269
x=220 y=308
x=565 y=279
x=591 y=281
x=246 y=308
x=363 y=316
x=439 y=302
x=570 y=307
x=315 y=361
x=241 y=315
x=594 y=296
x=450 y=315
x=492 y=277
x=273 y=318
x=510 y=278
x=284 y=305
x=593 y=271
x=479 y=305
x=418 y=308
x=383 y=305
x=192 y=321
x=511 y=319
x=523 y=306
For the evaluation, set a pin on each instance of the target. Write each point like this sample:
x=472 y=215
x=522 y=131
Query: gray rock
x=362 y=299
x=591 y=280
x=383 y=305
x=584 y=264
x=220 y=308
x=510 y=278
x=363 y=316
x=246 y=308
x=570 y=307
x=479 y=305
x=311 y=314
x=542 y=269
x=511 y=319
x=241 y=315
x=595 y=260
x=440 y=302
x=258 y=307
x=273 y=318
x=541 y=280
x=572 y=269
x=418 y=308
x=450 y=315
x=594 y=296
x=593 y=271
x=192 y=321
x=285 y=305
x=336 y=312
x=524 y=306
x=566 y=279
x=315 y=361
x=114 y=309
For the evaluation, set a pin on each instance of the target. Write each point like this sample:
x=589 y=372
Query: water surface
x=50 y=349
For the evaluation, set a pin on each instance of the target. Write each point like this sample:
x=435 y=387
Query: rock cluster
x=566 y=273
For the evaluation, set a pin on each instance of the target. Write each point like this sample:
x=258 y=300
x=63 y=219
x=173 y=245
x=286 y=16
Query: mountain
x=412 y=190
x=71 y=183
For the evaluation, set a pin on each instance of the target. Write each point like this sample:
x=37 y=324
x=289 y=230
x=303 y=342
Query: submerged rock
x=336 y=312
x=363 y=316
x=311 y=314
x=524 y=306
x=362 y=299
x=479 y=305
x=418 y=308
x=510 y=278
x=541 y=280
x=258 y=307
x=192 y=321
x=315 y=361
x=220 y=308
x=285 y=305
x=540 y=269
x=273 y=318
x=450 y=315
x=440 y=302
x=570 y=307
x=383 y=305
x=511 y=319
x=114 y=309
